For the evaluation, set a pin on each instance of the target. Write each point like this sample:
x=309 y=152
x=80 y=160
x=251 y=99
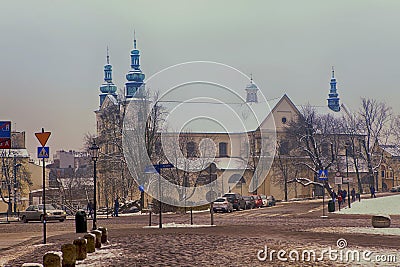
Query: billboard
x=5 y=134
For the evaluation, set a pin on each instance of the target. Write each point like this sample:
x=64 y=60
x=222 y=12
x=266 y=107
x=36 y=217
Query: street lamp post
x=94 y=152
x=347 y=175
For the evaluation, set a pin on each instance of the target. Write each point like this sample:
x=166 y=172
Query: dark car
x=395 y=189
x=237 y=200
x=250 y=202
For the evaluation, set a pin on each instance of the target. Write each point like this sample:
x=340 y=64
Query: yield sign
x=43 y=137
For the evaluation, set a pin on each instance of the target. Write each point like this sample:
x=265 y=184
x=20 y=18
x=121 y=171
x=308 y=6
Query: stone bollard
x=31 y=264
x=90 y=245
x=69 y=255
x=381 y=221
x=52 y=259
x=104 y=234
x=98 y=238
x=80 y=245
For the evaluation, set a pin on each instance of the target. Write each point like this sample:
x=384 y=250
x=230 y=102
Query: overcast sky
x=52 y=52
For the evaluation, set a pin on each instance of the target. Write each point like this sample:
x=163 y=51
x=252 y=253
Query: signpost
x=323 y=176
x=43 y=153
x=153 y=169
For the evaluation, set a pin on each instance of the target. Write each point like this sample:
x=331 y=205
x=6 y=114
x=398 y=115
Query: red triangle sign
x=43 y=137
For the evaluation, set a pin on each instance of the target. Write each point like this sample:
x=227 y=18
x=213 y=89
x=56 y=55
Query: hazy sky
x=52 y=52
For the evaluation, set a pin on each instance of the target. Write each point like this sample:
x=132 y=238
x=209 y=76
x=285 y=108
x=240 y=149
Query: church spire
x=333 y=100
x=135 y=76
x=108 y=87
x=251 y=91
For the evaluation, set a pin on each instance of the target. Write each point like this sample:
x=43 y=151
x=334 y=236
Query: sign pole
x=43 y=152
x=44 y=202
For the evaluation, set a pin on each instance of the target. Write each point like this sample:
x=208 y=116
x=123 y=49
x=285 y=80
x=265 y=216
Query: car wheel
x=61 y=220
x=24 y=219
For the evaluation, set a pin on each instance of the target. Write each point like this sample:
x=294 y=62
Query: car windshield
x=48 y=207
x=220 y=200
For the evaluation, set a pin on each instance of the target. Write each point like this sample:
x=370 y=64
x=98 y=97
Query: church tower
x=251 y=90
x=333 y=100
x=135 y=76
x=108 y=87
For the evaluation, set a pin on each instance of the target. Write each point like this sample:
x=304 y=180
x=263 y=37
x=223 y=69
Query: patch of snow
x=358 y=230
x=176 y=225
x=373 y=206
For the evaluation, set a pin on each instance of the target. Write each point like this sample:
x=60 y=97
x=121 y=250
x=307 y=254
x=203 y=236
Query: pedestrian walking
x=116 y=207
x=89 y=208
x=372 y=189
x=353 y=195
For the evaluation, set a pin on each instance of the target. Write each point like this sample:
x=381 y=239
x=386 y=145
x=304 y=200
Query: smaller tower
x=333 y=100
x=251 y=90
x=108 y=87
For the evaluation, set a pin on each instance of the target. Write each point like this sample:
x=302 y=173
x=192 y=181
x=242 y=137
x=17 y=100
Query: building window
x=284 y=120
x=191 y=149
x=284 y=148
x=223 y=149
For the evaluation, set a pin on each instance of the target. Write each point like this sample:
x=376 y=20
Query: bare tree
x=376 y=118
x=316 y=138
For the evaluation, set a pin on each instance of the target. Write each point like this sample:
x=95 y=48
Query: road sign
x=323 y=175
x=43 y=137
x=164 y=166
x=43 y=152
x=141 y=188
x=347 y=180
x=5 y=134
x=338 y=180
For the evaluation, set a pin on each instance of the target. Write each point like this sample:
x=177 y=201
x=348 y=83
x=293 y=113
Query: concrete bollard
x=98 y=238
x=68 y=255
x=80 y=245
x=90 y=245
x=381 y=221
x=52 y=259
x=104 y=234
x=31 y=264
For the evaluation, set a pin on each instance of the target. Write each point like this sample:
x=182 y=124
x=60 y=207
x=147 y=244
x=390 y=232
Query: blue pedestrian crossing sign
x=323 y=175
x=43 y=152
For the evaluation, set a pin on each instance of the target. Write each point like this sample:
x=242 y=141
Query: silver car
x=222 y=204
x=35 y=213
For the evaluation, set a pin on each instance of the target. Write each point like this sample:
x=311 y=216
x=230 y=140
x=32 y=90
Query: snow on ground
x=357 y=230
x=389 y=205
x=176 y=225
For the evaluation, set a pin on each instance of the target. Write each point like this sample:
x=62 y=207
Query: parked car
x=237 y=200
x=250 y=202
x=222 y=204
x=271 y=201
x=258 y=201
x=395 y=189
x=35 y=213
x=264 y=200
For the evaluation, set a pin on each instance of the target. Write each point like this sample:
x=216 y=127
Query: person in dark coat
x=89 y=208
x=116 y=207
x=353 y=195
